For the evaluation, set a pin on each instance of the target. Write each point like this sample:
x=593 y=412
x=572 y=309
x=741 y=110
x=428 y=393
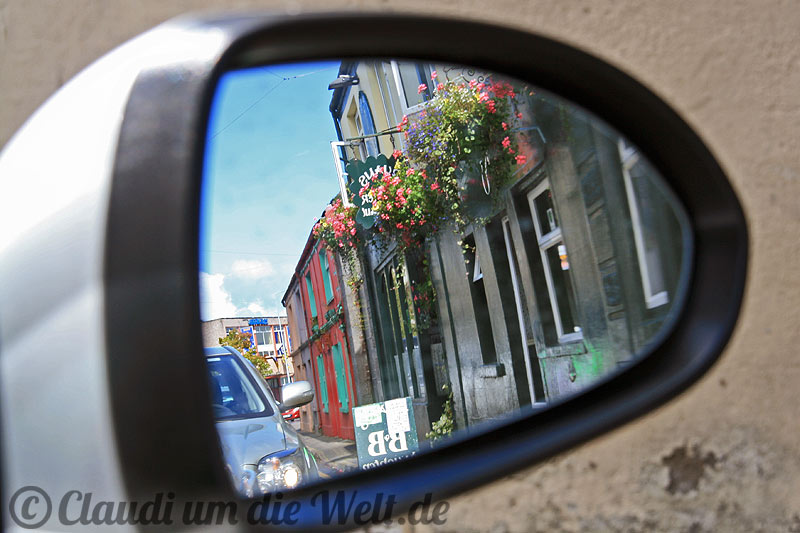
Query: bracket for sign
x=335 y=145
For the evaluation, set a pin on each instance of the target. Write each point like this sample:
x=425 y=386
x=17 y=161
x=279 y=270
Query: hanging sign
x=362 y=174
x=385 y=432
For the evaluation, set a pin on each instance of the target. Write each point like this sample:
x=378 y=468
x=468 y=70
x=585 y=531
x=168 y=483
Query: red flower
x=403 y=123
x=521 y=159
x=422 y=87
x=434 y=75
x=506 y=142
x=505 y=126
x=396 y=154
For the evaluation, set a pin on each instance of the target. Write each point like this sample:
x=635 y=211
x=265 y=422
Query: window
x=312 y=303
x=367 y=125
x=323 y=383
x=408 y=77
x=234 y=393
x=532 y=368
x=262 y=334
x=326 y=275
x=555 y=261
x=341 y=377
x=645 y=222
x=480 y=303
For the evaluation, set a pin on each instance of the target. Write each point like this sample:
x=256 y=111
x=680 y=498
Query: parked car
x=292 y=414
x=262 y=452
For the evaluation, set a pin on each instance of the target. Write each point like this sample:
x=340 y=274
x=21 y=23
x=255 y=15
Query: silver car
x=262 y=452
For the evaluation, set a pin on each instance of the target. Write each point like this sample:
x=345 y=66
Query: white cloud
x=255 y=309
x=215 y=301
x=251 y=268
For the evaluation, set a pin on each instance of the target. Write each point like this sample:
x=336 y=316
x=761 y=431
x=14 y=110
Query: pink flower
x=396 y=154
x=422 y=87
x=440 y=87
x=403 y=123
x=435 y=186
x=434 y=75
x=519 y=115
x=506 y=142
x=409 y=171
x=505 y=126
x=521 y=159
x=353 y=231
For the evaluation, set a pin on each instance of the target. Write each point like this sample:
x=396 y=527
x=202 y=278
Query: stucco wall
x=723 y=457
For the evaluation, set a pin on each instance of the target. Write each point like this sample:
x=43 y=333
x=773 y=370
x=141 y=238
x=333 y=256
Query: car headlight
x=283 y=470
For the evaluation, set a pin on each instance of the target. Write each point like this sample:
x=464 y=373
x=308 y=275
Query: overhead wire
x=268 y=91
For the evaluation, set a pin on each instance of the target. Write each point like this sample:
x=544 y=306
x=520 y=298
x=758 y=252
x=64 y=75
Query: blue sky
x=268 y=175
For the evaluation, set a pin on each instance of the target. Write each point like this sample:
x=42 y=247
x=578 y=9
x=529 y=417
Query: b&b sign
x=362 y=174
x=385 y=432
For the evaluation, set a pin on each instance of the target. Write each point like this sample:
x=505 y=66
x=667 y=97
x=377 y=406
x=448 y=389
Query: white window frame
x=477 y=273
x=398 y=82
x=512 y=266
x=630 y=156
x=545 y=242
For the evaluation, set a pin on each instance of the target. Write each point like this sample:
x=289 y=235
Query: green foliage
x=244 y=344
x=444 y=427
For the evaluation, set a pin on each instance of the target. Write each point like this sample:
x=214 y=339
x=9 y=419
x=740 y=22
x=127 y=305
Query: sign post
x=385 y=432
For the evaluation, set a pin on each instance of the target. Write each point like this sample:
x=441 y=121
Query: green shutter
x=312 y=302
x=323 y=383
x=326 y=275
x=341 y=378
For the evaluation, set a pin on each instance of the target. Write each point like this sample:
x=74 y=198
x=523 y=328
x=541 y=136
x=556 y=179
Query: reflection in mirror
x=431 y=248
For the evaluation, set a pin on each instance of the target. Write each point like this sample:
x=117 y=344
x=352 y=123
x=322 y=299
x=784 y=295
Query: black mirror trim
x=152 y=262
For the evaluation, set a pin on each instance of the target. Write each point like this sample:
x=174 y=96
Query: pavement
x=334 y=456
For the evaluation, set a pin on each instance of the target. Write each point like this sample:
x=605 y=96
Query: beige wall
x=723 y=457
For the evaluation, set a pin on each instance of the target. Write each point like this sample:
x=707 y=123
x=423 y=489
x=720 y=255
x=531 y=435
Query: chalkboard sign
x=385 y=432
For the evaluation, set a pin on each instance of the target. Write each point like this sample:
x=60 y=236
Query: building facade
x=315 y=301
x=271 y=336
x=572 y=274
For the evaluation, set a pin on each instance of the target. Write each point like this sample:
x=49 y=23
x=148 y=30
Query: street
x=334 y=456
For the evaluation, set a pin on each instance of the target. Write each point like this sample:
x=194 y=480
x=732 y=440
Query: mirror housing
x=135 y=252
x=296 y=394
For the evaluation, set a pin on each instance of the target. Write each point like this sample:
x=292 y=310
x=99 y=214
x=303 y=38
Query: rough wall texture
x=724 y=456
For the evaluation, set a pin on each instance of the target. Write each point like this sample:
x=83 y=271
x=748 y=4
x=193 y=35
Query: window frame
x=629 y=156
x=401 y=93
x=327 y=281
x=312 y=302
x=546 y=241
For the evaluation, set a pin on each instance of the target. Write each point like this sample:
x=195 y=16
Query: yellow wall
x=732 y=69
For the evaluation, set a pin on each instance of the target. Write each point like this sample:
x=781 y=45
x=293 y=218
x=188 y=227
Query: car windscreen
x=234 y=392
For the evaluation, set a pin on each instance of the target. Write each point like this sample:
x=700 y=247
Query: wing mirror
x=296 y=394
x=495 y=247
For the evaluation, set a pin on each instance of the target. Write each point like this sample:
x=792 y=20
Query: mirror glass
x=433 y=249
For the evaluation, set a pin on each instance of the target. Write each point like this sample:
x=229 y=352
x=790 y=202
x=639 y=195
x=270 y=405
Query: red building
x=329 y=364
